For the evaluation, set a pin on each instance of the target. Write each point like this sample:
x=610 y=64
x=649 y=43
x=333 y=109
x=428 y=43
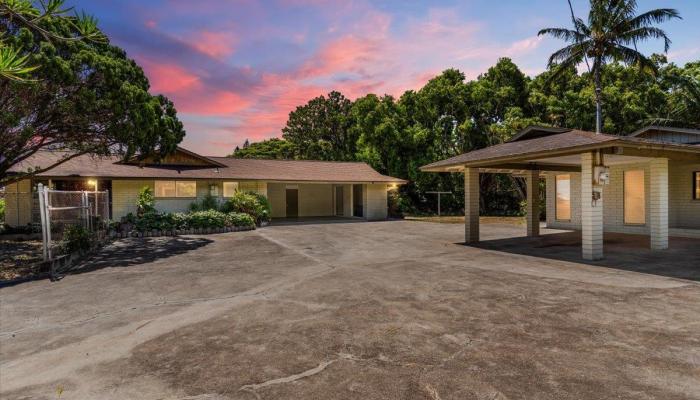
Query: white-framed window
x=634 y=197
x=176 y=189
x=562 y=205
x=230 y=188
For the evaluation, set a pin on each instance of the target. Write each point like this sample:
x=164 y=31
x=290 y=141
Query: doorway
x=339 y=209
x=292 y=196
x=357 y=208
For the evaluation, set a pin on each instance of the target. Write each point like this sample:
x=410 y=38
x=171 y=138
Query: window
x=176 y=189
x=230 y=188
x=634 y=201
x=563 y=197
x=165 y=189
x=696 y=185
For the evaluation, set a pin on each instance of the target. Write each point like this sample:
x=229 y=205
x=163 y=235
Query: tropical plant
x=612 y=33
x=251 y=203
x=146 y=201
x=87 y=97
x=18 y=14
x=208 y=202
x=76 y=238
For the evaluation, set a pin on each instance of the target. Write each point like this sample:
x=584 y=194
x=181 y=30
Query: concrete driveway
x=385 y=310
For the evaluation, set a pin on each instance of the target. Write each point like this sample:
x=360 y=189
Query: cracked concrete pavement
x=379 y=310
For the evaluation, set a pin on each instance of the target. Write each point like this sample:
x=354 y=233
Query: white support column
x=658 y=203
x=471 y=205
x=591 y=212
x=532 y=180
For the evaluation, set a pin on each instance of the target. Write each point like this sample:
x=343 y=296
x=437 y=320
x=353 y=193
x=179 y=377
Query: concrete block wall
x=471 y=205
x=614 y=193
x=591 y=212
x=658 y=201
x=575 y=221
x=684 y=212
x=532 y=180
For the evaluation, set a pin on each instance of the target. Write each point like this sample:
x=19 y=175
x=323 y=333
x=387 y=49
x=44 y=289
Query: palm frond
x=645 y=33
x=13 y=66
x=657 y=16
x=562 y=33
x=631 y=57
x=571 y=53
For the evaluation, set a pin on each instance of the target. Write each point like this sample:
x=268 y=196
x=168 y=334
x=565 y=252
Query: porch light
x=92 y=182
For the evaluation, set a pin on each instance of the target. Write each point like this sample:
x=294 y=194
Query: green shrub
x=76 y=238
x=146 y=201
x=239 y=219
x=2 y=210
x=182 y=221
x=253 y=204
x=209 y=202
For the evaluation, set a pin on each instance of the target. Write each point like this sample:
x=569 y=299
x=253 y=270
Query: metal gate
x=59 y=209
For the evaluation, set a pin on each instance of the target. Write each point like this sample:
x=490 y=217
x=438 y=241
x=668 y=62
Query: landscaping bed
x=19 y=259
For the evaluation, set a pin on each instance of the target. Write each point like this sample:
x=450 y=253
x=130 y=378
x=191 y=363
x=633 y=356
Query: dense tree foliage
x=450 y=116
x=321 y=129
x=271 y=149
x=86 y=97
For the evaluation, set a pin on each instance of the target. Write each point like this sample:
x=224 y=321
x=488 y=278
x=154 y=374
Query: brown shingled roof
x=234 y=169
x=557 y=143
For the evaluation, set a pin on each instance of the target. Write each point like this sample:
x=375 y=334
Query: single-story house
x=294 y=188
x=645 y=183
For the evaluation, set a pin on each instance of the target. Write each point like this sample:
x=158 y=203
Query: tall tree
x=87 y=98
x=271 y=149
x=21 y=14
x=320 y=129
x=612 y=33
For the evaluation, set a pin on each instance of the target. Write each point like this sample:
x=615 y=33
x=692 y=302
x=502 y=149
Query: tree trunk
x=598 y=108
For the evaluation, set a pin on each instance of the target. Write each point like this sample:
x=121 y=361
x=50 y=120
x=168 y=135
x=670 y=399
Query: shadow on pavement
x=622 y=251
x=134 y=251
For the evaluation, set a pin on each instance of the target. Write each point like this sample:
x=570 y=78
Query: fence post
x=40 y=190
x=108 y=211
x=47 y=210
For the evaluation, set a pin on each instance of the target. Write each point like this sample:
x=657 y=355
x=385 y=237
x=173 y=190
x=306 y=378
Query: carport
x=598 y=168
x=302 y=199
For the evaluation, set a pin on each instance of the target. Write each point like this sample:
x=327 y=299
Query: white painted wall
x=316 y=200
x=276 y=193
x=18 y=203
x=376 y=203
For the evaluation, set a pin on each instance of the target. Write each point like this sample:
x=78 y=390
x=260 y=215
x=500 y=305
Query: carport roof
x=551 y=144
x=220 y=168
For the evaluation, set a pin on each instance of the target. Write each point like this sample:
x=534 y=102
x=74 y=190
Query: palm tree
x=611 y=34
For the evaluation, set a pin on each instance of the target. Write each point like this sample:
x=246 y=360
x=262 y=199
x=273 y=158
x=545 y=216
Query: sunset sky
x=236 y=68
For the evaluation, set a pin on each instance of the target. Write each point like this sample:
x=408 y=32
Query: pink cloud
x=362 y=55
x=168 y=78
x=214 y=44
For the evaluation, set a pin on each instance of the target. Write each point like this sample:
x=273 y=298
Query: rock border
x=178 y=232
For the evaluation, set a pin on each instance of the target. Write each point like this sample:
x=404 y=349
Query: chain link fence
x=71 y=216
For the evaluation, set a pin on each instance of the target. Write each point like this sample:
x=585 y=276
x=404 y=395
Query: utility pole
x=439 y=193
